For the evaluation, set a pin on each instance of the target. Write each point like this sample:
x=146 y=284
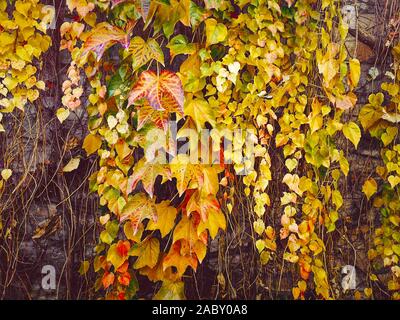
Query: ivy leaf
x=389 y=135
x=352 y=132
x=138 y=208
x=201 y=112
x=215 y=32
x=171 y=291
x=147 y=172
x=72 y=165
x=370 y=187
x=108 y=279
x=213 y=4
x=185 y=229
x=215 y=221
x=103 y=36
x=91 y=143
x=369 y=115
x=197 y=14
x=166 y=215
x=62 y=114
x=163 y=92
x=180 y=45
x=202 y=204
x=147 y=253
x=84 y=267
x=180 y=262
x=146 y=114
x=391 y=117
x=188 y=175
x=81 y=6
x=355 y=72
x=346 y=102
x=142 y=52
x=118 y=253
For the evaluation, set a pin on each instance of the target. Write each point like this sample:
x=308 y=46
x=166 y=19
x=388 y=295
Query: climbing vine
x=192 y=104
x=23 y=41
x=380 y=118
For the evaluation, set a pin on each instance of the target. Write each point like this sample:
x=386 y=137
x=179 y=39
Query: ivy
x=265 y=79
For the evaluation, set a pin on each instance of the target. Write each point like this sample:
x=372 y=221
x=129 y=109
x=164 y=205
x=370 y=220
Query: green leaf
x=84 y=267
x=215 y=32
x=180 y=45
x=396 y=249
x=352 y=132
x=171 y=291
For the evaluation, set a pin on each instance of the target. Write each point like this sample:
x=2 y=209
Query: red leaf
x=124 y=279
x=123 y=248
x=164 y=92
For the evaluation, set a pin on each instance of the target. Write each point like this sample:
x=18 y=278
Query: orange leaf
x=180 y=262
x=103 y=36
x=108 y=279
x=202 y=204
x=147 y=114
x=124 y=279
x=186 y=229
x=164 y=92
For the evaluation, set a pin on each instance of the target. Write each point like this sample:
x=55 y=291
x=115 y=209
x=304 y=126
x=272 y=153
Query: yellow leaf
x=118 y=253
x=352 y=132
x=215 y=32
x=394 y=181
x=40 y=85
x=142 y=52
x=6 y=174
x=84 y=267
x=147 y=253
x=72 y=165
x=62 y=114
x=388 y=136
x=259 y=226
x=291 y=164
x=200 y=111
x=215 y=220
x=355 y=71
x=296 y=292
x=91 y=143
x=23 y=7
x=370 y=187
x=337 y=198
x=166 y=215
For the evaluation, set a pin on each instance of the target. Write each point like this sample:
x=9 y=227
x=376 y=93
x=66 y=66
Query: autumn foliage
x=274 y=73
